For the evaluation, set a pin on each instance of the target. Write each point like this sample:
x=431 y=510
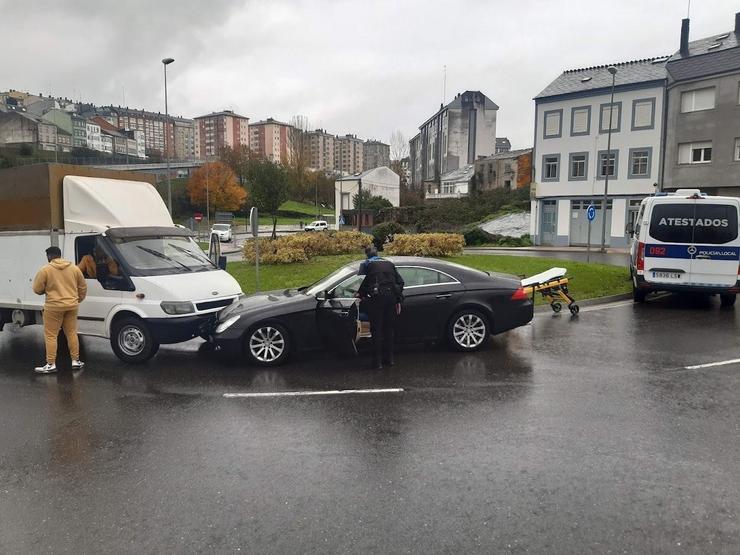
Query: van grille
x=208 y=305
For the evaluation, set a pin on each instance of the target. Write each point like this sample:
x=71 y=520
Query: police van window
x=672 y=223
x=715 y=224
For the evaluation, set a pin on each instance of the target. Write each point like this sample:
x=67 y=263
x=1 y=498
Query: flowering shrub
x=426 y=244
x=301 y=247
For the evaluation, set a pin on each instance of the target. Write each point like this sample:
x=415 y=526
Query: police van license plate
x=667 y=275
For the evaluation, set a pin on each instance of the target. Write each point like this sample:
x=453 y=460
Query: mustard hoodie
x=63 y=284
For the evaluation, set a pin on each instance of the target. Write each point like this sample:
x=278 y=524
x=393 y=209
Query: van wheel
x=638 y=295
x=727 y=300
x=131 y=340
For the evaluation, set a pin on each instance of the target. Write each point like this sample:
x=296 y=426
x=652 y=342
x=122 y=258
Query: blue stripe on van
x=714 y=252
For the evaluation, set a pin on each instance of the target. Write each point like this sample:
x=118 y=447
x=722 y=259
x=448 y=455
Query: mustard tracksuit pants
x=56 y=319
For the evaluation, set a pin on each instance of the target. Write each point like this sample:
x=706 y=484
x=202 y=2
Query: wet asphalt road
x=570 y=435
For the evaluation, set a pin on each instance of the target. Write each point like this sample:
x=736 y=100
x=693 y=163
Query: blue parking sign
x=591 y=213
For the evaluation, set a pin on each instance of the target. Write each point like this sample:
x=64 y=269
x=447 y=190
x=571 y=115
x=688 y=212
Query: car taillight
x=519 y=295
x=641 y=256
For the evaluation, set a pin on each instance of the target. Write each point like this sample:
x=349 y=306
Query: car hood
x=283 y=300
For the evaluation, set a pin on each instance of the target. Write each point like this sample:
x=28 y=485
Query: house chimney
x=737 y=23
x=684 y=37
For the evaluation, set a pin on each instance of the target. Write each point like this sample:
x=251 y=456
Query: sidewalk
x=594 y=249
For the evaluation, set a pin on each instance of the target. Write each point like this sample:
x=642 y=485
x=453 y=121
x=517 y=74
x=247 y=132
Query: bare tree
x=298 y=156
x=399 y=145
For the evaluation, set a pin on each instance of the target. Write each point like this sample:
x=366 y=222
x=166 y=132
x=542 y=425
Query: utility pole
x=165 y=63
x=359 y=204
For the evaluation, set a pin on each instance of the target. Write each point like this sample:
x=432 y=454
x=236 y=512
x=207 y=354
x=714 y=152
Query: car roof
x=457 y=271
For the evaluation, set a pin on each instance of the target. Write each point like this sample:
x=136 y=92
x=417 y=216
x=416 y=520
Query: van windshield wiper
x=186 y=252
x=163 y=257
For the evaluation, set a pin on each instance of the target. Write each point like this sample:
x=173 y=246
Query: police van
x=686 y=241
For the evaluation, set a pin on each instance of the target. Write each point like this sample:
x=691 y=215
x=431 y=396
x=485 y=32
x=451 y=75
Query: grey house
x=702 y=123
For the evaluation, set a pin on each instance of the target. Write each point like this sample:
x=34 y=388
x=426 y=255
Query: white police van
x=686 y=241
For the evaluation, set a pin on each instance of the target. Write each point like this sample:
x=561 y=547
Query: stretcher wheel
x=574 y=309
x=556 y=307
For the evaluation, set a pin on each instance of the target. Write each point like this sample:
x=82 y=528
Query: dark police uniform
x=381 y=291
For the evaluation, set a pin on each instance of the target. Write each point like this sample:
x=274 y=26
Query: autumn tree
x=268 y=185
x=218 y=183
x=237 y=159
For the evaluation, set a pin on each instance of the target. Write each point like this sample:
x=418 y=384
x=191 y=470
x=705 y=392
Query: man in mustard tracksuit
x=64 y=286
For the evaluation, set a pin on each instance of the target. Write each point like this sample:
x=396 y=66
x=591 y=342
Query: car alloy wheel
x=469 y=331
x=268 y=345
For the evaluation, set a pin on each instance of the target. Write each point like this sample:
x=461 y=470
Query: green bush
x=426 y=244
x=300 y=247
x=476 y=236
x=385 y=231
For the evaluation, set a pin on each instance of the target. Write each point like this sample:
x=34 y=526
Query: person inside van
x=90 y=262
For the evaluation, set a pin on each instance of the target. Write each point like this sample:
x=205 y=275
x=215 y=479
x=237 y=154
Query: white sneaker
x=46 y=368
x=77 y=364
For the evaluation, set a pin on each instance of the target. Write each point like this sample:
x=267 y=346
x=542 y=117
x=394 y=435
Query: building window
x=698 y=99
x=578 y=166
x=608 y=165
x=695 y=153
x=643 y=114
x=640 y=163
x=615 y=112
x=551 y=167
x=580 y=120
x=737 y=150
x=553 y=124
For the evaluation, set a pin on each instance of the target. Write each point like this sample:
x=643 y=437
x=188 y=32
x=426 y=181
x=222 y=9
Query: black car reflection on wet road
x=443 y=301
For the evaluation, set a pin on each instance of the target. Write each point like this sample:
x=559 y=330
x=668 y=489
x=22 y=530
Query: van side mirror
x=222 y=262
x=630 y=229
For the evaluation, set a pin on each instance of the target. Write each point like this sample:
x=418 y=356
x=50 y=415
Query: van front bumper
x=649 y=286
x=177 y=330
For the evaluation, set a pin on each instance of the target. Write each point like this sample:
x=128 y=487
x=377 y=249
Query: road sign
x=198 y=217
x=591 y=213
x=254 y=222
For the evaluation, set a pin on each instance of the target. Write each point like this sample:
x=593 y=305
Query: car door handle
x=444 y=296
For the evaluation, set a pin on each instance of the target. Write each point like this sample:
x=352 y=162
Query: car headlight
x=226 y=324
x=177 y=307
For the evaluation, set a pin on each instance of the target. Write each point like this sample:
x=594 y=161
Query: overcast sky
x=365 y=67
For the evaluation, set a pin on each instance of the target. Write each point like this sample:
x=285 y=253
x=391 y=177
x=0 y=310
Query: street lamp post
x=613 y=71
x=165 y=63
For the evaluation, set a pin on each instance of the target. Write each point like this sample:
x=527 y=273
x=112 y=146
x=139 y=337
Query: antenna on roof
x=444 y=84
x=688 y=10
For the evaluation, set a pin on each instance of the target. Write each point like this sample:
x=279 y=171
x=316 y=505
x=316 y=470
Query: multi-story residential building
x=452 y=184
x=348 y=154
x=79 y=131
x=114 y=141
x=64 y=140
x=135 y=143
x=702 y=130
x=94 y=138
x=502 y=144
x=455 y=136
x=218 y=130
x=272 y=140
x=17 y=127
x=375 y=154
x=184 y=139
x=47 y=135
x=318 y=149
x=504 y=170
x=571 y=159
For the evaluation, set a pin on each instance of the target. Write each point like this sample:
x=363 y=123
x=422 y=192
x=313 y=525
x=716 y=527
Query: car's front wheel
x=132 y=341
x=468 y=330
x=267 y=344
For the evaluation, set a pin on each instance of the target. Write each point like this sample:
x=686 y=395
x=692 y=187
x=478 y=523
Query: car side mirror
x=222 y=262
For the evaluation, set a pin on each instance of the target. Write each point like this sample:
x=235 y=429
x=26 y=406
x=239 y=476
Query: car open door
x=338 y=323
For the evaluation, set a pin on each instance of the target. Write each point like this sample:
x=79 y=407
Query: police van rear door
x=715 y=243
x=670 y=236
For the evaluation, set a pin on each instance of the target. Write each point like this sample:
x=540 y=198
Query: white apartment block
x=94 y=137
x=570 y=157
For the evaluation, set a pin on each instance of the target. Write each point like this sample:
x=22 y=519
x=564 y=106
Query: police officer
x=382 y=294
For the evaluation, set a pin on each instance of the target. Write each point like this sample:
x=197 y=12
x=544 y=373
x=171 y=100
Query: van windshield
x=162 y=255
x=709 y=224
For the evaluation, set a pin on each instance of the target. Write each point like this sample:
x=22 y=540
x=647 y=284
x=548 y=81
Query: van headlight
x=226 y=324
x=177 y=307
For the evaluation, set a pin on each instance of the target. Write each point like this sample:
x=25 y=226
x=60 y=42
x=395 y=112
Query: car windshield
x=335 y=277
x=221 y=227
x=162 y=255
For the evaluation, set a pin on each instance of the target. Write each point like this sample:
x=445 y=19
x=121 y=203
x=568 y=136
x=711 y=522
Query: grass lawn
x=588 y=280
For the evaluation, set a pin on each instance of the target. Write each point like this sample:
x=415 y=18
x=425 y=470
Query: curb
x=588 y=302
x=546 y=250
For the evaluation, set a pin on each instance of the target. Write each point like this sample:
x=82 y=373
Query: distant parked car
x=318 y=225
x=223 y=231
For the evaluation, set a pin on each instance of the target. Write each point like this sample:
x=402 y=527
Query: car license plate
x=667 y=275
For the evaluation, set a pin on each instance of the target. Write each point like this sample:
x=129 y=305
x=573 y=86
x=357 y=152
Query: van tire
x=727 y=300
x=638 y=295
x=132 y=341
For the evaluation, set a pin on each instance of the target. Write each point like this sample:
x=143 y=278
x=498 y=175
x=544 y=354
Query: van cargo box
x=31 y=196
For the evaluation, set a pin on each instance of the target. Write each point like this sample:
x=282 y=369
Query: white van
x=152 y=284
x=686 y=241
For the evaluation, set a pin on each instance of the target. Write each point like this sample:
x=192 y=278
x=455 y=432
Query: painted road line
x=312 y=393
x=712 y=364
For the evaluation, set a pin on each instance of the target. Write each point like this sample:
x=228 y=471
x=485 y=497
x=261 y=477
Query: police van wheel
x=727 y=300
x=638 y=295
x=131 y=340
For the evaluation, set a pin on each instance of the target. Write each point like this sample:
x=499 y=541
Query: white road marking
x=310 y=393
x=711 y=364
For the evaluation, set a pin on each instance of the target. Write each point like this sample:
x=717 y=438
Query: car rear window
x=711 y=224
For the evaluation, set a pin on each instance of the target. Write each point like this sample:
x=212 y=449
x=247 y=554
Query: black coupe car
x=443 y=300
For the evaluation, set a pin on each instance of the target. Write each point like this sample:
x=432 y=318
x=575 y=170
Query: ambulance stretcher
x=553 y=285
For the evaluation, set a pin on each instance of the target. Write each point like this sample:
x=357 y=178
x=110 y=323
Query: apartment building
x=571 y=160
x=218 y=130
x=702 y=142
x=318 y=146
x=348 y=154
x=502 y=144
x=455 y=136
x=272 y=140
x=504 y=170
x=375 y=154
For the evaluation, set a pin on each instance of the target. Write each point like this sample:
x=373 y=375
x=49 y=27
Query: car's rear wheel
x=727 y=300
x=468 y=330
x=267 y=344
